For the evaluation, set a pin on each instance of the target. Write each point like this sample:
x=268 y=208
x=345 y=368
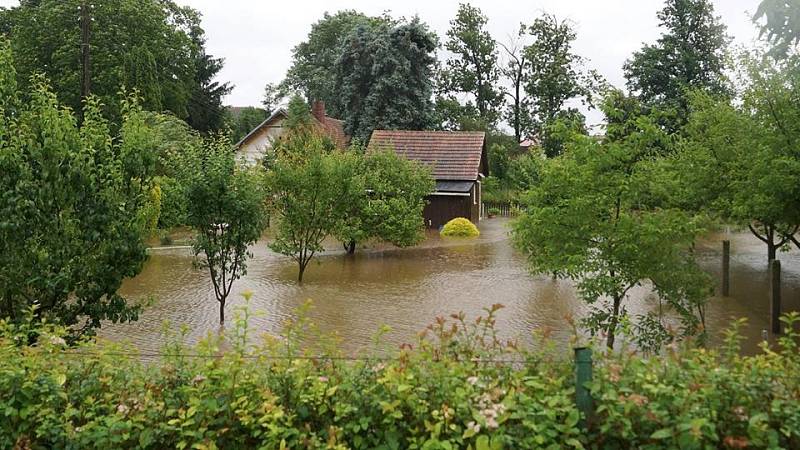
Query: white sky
x=256 y=37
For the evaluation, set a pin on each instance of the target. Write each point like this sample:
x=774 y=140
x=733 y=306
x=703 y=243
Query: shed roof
x=452 y=155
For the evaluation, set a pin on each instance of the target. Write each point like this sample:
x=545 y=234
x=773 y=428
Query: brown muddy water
x=407 y=288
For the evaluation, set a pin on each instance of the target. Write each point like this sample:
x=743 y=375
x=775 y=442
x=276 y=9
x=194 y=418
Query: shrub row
x=458 y=386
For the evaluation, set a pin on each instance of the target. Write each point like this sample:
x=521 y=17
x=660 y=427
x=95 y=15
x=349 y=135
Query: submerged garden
x=612 y=247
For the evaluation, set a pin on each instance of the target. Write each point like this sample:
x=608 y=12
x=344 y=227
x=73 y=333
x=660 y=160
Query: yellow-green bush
x=460 y=227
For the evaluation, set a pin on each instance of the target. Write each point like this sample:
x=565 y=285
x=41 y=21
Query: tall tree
x=206 y=113
x=473 y=68
x=689 y=55
x=586 y=221
x=75 y=206
x=148 y=45
x=515 y=72
x=311 y=73
x=554 y=72
x=384 y=78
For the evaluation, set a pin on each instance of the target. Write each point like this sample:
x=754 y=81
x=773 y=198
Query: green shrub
x=493 y=211
x=458 y=386
x=460 y=227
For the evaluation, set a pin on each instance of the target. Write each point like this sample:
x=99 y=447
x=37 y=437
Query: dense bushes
x=441 y=393
x=460 y=227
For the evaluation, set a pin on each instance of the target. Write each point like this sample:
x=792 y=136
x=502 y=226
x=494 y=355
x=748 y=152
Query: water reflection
x=406 y=289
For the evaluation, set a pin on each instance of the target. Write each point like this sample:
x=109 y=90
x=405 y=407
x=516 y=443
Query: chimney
x=318 y=110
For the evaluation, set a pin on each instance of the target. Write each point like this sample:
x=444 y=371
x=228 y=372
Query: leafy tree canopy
x=690 y=54
x=311 y=73
x=553 y=73
x=154 y=46
x=384 y=78
x=76 y=205
x=390 y=206
x=226 y=207
x=473 y=69
x=588 y=219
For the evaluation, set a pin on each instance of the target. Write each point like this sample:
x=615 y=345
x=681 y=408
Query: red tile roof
x=335 y=129
x=453 y=155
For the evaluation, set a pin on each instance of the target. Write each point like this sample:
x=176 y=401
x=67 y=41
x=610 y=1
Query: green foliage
x=389 y=207
x=751 y=149
x=701 y=399
x=473 y=68
x=552 y=73
x=297 y=114
x=153 y=46
x=442 y=393
x=460 y=227
x=244 y=121
x=384 y=78
x=226 y=209
x=589 y=218
x=311 y=186
x=782 y=25
x=273 y=95
x=74 y=205
x=689 y=55
x=311 y=73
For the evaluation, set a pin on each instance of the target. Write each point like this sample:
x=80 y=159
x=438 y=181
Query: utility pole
x=86 y=75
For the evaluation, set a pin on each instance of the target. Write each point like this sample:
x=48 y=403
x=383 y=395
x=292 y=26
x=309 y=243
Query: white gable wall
x=256 y=146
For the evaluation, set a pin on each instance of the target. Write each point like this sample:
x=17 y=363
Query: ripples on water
x=406 y=289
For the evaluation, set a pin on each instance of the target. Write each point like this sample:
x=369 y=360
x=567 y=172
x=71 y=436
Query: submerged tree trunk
x=300 y=272
x=222 y=311
x=350 y=247
x=612 y=327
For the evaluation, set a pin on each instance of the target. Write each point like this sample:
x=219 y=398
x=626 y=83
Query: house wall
x=443 y=208
x=255 y=147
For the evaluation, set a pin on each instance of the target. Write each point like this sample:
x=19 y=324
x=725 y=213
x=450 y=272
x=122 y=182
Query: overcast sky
x=256 y=37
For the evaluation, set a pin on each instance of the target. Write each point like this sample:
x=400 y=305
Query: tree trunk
x=300 y=273
x=350 y=247
x=222 y=311
x=612 y=327
x=772 y=250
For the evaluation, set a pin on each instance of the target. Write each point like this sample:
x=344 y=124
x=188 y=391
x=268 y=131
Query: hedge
x=457 y=386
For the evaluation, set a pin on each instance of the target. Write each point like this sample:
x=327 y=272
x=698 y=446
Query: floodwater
x=407 y=288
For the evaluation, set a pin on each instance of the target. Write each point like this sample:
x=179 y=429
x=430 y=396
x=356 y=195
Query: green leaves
x=595 y=217
x=76 y=206
x=226 y=207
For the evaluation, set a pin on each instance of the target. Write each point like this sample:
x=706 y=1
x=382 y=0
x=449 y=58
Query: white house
x=256 y=143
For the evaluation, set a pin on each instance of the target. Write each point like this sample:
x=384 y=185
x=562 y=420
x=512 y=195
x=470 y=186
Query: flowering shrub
x=458 y=386
x=460 y=227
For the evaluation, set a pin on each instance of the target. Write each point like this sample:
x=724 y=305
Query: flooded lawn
x=406 y=289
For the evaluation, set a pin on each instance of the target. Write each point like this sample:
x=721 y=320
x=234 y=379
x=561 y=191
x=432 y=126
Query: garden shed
x=458 y=161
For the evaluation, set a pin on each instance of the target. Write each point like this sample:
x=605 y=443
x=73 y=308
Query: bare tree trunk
x=222 y=311
x=612 y=327
x=300 y=273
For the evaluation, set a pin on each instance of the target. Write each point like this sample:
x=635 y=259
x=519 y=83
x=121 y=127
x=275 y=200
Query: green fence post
x=583 y=375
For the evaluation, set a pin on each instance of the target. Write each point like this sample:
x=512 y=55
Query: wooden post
x=726 y=268
x=775 y=296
